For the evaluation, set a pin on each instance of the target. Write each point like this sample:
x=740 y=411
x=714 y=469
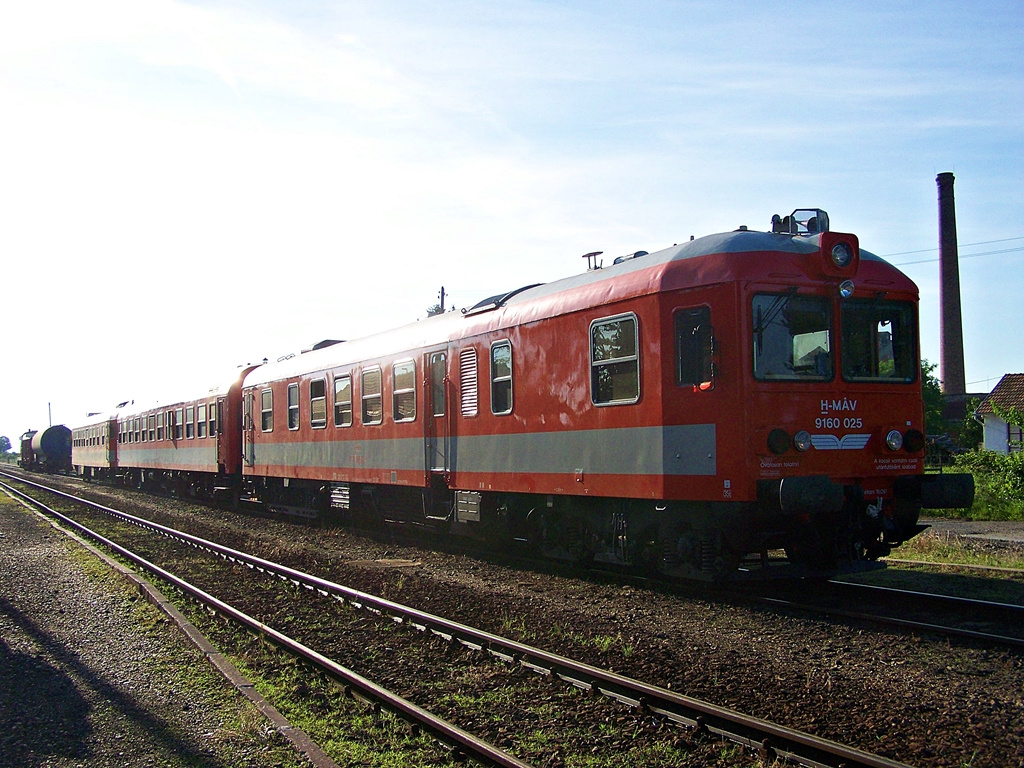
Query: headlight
x=841 y=255
x=894 y=440
x=802 y=440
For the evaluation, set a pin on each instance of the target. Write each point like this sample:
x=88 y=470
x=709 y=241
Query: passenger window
x=438 y=369
x=318 y=403
x=343 y=401
x=190 y=426
x=501 y=377
x=404 y=390
x=267 y=410
x=293 y=406
x=160 y=426
x=614 y=361
x=373 y=399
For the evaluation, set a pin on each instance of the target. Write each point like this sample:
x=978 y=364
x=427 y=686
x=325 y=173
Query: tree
x=5 y=444
x=972 y=433
x=1011 y=414
x=935 y=422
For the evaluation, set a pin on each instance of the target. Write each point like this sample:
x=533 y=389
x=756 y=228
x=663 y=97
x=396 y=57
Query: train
x=47 y=450
x=694 y=411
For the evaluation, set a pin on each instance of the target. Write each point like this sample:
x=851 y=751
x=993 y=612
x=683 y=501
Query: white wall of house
x=995 y=434
x=998 y=435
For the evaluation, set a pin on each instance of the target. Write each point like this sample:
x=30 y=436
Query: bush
x=998 y=484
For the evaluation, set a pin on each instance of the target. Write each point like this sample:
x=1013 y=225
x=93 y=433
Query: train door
x=437 y=440
x=111 y=440
x=248 y=430
x=221 y=435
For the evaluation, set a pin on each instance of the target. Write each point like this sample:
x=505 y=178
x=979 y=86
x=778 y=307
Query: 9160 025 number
x=834 y=422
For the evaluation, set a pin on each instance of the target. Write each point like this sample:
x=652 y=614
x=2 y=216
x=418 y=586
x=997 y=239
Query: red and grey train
x=686 y=411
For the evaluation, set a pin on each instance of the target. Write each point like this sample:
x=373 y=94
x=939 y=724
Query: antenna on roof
x=592 y=262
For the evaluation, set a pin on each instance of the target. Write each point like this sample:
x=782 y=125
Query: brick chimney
x=954 y=380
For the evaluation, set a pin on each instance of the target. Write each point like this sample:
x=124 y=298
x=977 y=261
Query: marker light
x=841 y=255
x=778 y=441
x=846 y=289
x=802 y=440
x=913 y=441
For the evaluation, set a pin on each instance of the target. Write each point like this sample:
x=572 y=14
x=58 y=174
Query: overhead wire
x=960 y=255
x=961 y=245
x=987 y=379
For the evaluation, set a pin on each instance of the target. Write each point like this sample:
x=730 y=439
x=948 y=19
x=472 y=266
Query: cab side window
x=694 y=347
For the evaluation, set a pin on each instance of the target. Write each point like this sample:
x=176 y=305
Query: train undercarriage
x=809 y=526
x=822 y=530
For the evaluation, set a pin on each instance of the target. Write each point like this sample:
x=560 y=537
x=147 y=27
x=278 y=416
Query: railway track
x=956 y=566
x=996 y=623
x=770 y=741
x=993 y=622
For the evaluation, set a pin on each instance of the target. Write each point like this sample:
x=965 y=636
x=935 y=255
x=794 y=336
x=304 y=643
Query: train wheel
x=648 y=551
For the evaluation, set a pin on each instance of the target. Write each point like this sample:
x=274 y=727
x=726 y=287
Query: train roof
x=132 y=408
x=629 y=276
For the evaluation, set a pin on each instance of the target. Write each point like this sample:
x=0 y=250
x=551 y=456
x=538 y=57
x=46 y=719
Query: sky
x=186 y=187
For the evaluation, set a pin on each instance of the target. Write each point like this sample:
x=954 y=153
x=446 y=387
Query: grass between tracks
x=244 y=736
x=943 y=553
x=353 y=735
x=948 y=548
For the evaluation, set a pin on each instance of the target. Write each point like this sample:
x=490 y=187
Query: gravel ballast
x=91 y=674
x=924 y=700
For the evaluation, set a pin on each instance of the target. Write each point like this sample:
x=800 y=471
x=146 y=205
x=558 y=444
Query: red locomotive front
x=835 y=439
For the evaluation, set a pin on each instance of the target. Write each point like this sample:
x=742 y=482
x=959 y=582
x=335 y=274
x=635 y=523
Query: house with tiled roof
x=1008 y=393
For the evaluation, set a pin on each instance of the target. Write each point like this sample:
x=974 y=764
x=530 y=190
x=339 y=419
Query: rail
x=353 y=682
x=769 y=740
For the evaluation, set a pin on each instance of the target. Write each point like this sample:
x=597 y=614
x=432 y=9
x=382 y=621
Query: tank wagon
x=686 y=411
x=47 y=450
x=26 y=458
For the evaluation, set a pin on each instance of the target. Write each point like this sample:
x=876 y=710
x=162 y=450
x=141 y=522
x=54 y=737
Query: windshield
x=792 y=337
x=879 y=341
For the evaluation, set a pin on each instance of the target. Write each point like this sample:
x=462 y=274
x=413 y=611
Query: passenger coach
x=188 y=447
x=94 y=448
